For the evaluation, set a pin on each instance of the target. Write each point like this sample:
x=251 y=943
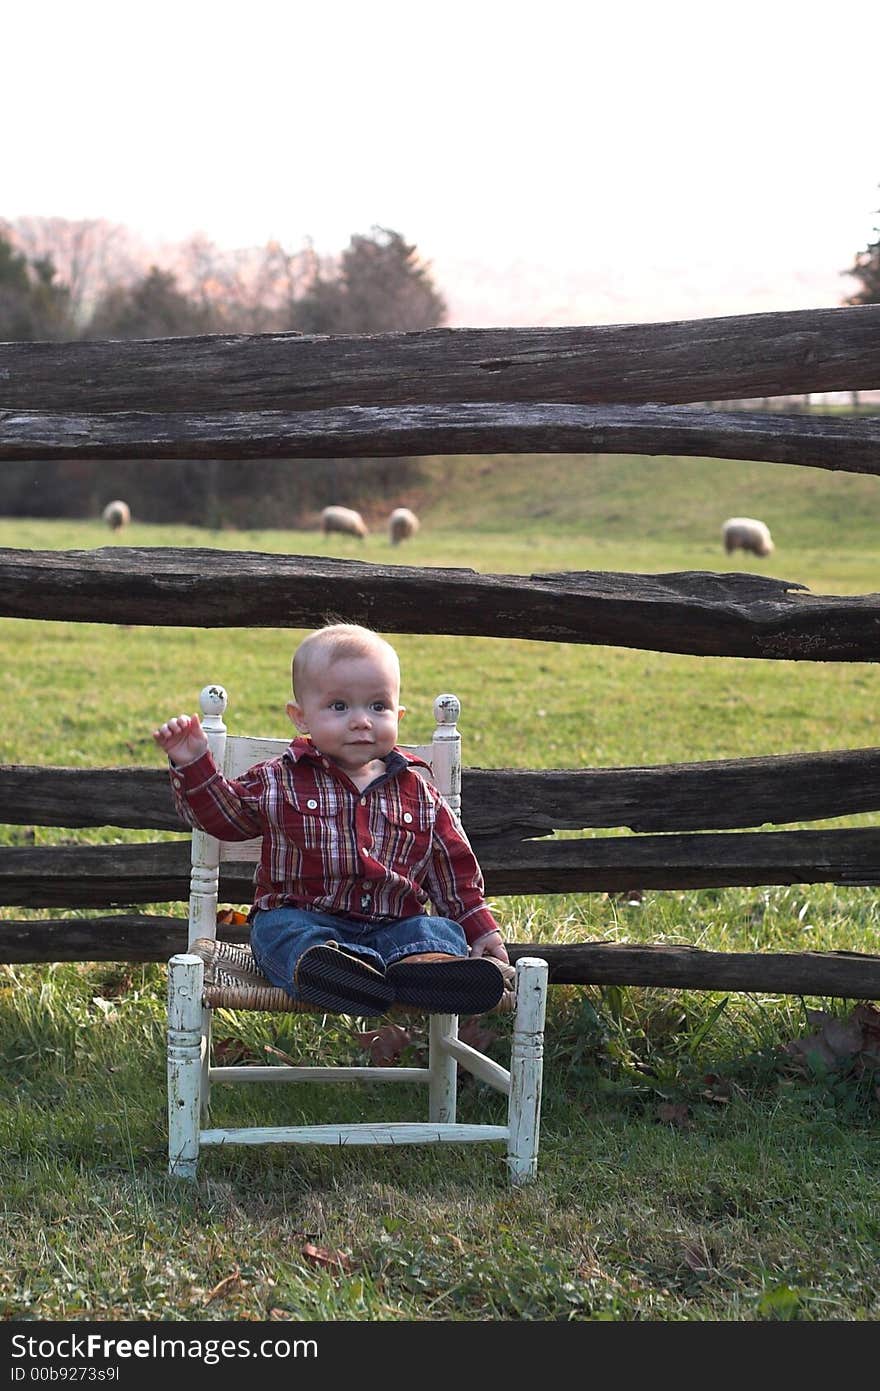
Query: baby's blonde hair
x=333 y=643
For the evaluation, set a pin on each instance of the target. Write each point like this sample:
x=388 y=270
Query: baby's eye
x=379 y=706
x=337 y=705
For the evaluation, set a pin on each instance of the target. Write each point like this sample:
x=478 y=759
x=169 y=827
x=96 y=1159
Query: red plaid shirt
x=380 y=853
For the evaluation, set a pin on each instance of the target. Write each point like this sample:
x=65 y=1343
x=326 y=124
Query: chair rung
x=319 y=1074
x=360 y=1133
x=488 y=1071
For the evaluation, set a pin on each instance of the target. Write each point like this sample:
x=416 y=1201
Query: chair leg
x=185 y=977
x=526 y=1068
x=443 y=1068
x=205 y=1079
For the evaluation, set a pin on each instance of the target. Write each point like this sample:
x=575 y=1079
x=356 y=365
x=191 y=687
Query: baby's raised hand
x=182 y=738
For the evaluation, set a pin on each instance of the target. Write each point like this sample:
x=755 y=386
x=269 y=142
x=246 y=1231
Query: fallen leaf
x=812 y=1050
x=843 y=1036
x=675 y=1113
x=868 y=1018
x=229 y=1051
x=224 y=1286
x=279 y=1053
x=471 y=1031
x=230 y=917
x=386 y=1044
x=843 y=1045
x=718 y=1089
x=696 y=1257
x=329 y=1260
x=115 y=989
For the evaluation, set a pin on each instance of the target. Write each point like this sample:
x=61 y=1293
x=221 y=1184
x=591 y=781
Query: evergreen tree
x=867 y=269
x=380 y=286
x=153 y=307
x=33 y=303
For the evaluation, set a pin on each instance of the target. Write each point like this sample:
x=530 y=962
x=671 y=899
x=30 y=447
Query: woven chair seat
x=232 y=981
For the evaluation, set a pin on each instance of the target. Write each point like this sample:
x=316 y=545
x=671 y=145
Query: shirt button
x=311 y=804
x=407 y=816
x=363 y=801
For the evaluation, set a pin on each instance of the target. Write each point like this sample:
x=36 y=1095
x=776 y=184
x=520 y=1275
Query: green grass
x=688 y=1170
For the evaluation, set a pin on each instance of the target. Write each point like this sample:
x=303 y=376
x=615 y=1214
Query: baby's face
x=351 y=709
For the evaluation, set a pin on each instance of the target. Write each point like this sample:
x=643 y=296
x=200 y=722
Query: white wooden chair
x=224 y=975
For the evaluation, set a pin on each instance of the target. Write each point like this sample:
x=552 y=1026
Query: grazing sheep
x=746 y=534
x=116 y=514
x=343 y=519
x=401 y=525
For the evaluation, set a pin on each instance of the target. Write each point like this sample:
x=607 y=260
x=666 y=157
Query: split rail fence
x=615 y=389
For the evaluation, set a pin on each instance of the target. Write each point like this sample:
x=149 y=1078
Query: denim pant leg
x=405 y=937
x=279 y=936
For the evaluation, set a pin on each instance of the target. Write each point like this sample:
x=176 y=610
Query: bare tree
x=251 y=290
x=89 y=255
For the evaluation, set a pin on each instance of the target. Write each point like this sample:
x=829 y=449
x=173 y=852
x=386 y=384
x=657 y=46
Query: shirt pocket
x=403 y=831
x=305 y=825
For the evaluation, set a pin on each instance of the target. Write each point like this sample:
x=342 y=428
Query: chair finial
x=213 y=700
x=447 y=709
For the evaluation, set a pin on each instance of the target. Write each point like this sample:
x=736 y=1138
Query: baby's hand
x=491 y=945
x=182 y=738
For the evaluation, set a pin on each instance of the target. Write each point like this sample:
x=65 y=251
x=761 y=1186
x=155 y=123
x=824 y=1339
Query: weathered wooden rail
x=511 y=802
x=115 y=876
x=578 y=390
x=732 y=358
x=696 y=612
x=827 y=442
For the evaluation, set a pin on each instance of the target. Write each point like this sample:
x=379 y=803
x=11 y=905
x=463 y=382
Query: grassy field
x=692 y=1166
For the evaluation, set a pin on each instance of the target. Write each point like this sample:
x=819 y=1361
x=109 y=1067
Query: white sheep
x=343 y=519
x=116 y=514
x=401 y=525
x=746 y=534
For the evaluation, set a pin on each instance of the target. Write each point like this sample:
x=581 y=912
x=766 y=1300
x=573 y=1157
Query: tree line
x=61 y=280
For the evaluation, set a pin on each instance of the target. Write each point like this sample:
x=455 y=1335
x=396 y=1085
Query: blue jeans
x=279 y=936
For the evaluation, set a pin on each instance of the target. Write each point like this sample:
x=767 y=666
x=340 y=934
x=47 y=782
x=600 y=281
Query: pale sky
x=555 y=162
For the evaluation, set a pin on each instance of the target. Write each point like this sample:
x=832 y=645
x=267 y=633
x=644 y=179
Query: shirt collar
x=302 y=749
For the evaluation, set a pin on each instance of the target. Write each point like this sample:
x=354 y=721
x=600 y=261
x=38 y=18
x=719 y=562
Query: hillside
x=628 y=497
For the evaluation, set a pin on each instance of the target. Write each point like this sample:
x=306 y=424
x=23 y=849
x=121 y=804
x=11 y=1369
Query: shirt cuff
x=193 y=775
x=478 y=923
